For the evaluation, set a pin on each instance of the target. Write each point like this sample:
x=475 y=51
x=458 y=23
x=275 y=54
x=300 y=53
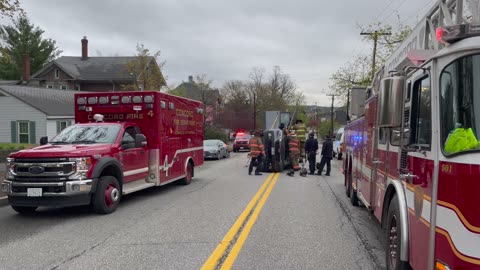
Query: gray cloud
x=308 y=39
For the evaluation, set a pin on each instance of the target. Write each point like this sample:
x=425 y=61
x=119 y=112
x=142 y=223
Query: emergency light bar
x=454 y=33
x=115 y=100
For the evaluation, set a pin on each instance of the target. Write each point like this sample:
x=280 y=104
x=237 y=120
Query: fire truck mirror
x=391 y=102
x=43 y=140
x=140 y=141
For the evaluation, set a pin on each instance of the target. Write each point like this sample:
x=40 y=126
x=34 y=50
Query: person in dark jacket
x=327 y=154
x=311 y=148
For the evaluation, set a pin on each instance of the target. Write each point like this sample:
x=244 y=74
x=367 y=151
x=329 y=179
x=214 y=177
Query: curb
x=3 y=201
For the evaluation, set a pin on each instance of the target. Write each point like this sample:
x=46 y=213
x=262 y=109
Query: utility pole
x=254 y=112
x=331 y=116
x=348 y=104
x=375 y=36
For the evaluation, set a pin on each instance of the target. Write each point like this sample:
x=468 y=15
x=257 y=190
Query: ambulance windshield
x=86 y=134
x=460 y=105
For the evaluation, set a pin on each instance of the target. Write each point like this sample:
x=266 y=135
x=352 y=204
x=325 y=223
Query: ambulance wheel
x=393 y=236
x=107 y=197
x=188 y=175
x=24 y=209
x=353 y=194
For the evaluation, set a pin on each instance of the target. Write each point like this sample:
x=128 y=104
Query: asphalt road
x=305 y=223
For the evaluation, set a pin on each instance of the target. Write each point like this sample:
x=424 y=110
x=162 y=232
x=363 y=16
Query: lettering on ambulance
x=184 y=123
x=119 y=116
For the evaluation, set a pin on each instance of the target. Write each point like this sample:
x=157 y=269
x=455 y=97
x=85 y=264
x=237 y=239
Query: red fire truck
x=122 y=142
x=413 y=158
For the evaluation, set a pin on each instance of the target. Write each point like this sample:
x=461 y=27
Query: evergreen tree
x=23 y=38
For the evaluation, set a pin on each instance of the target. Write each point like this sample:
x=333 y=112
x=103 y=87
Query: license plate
x=241 y=147
x=34 y=192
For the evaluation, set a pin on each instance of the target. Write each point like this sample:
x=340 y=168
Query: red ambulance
x=121 y=142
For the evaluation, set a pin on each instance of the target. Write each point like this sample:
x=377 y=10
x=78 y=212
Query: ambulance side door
x=134 y=158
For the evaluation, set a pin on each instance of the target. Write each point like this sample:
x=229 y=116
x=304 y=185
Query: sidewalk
x=3 y=197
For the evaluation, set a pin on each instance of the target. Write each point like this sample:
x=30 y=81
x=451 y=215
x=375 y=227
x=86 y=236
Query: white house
x=29 y=113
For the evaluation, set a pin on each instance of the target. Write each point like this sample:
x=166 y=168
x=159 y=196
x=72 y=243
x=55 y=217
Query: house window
x=49 y=86
x=57 y=74
x=63 y=125
x=64 y=87
x=23 y=132
x=77 y=87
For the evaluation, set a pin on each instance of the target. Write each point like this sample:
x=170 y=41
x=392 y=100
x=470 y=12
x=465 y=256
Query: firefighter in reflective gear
x=301 y=131
x=257 y=152
x=294 y=149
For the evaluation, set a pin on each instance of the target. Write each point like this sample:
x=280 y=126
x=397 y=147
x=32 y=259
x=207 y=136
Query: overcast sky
x=308 y=39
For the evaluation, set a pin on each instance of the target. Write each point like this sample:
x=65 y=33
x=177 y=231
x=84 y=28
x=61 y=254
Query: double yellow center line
x=238 y=233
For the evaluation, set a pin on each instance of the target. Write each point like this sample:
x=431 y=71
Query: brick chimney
x=84 y=48
x=25 y=68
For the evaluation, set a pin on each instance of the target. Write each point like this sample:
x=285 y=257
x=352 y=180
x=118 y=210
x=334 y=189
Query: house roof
x=50 y=101
x=192 y=91
x=93 y=68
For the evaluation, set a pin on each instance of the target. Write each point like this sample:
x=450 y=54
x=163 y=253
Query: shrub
x=212 y=133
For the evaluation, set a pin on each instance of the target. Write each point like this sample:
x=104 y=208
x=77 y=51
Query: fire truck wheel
x=393 y=236
x=107 y=197
x=24 y=209
x=353 y=194
x=348 y=179
x=189 y=173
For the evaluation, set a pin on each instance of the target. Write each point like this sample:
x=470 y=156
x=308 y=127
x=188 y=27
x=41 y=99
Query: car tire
x=219 y=156
x=24 y=209
x=107 y=196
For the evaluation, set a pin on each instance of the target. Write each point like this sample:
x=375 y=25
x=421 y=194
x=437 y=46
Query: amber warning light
x=452 y=34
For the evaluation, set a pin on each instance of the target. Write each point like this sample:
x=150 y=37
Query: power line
x=383 y=11
x=421 y=10
x=394 y=10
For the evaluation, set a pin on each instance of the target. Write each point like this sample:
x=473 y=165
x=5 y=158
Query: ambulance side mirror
x=43 y=140
x=140 y=141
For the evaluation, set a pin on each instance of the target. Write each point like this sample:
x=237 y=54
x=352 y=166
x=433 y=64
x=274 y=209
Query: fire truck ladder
x=447 y=13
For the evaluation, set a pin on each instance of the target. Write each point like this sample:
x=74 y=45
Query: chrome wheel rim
x=393 y=242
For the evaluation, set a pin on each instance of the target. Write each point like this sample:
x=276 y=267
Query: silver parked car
x=215 y=149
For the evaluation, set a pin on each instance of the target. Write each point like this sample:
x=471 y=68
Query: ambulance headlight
x=81 y=166
x=10 y=167
x=81 y=101
x=148 y=99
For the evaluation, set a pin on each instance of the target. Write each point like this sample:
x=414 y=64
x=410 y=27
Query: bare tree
x=9 y=8
x=146 y=70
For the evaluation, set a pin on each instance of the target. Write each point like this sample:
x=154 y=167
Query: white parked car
x=338 y=144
